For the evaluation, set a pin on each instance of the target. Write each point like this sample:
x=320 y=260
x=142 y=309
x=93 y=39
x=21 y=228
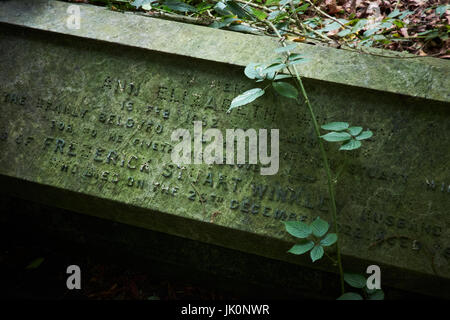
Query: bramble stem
x=324 y=157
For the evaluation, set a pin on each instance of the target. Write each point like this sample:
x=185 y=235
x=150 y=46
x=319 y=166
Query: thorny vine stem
x=323 y=153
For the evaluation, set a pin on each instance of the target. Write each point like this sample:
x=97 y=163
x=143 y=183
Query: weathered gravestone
x=87 y=115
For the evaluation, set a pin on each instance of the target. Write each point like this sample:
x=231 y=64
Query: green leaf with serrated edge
x=35 y=264
x=335 y=126
x=287 y=48
x=319 y=227
x=336 y=136
x=377 y=295
x=285 y=89
x=246 y=97
x=329 y=240
x=282 y=76
x=274 y=67
x=301 y=248
x=355 y=280
x=351 y=145
x=297 y=229
x=365 y=135
x=350 y=296
x=316 y=253
x=354 y=131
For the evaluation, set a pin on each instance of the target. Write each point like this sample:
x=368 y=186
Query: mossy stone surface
x=67 y=103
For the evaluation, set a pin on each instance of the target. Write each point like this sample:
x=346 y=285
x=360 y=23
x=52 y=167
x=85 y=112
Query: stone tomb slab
x=86 y=124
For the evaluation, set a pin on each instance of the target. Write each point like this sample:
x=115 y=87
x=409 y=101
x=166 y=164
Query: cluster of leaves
x=417 y=26
x=271 y=72
x=342 y=132
x=359 y=282
x=167 y=5
x=314 y=237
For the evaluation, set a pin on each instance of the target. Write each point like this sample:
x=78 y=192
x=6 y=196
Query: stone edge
x=426 y=78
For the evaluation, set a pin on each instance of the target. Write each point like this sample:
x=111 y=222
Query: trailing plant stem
x=324 y=158
x=329 y=176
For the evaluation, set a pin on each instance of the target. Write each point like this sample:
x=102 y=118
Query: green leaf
x=394 y=13
x=335 y=126
x=404 y=14
x=336 y=136
x=246 y=97
x=35 y=264
x=274 y=14
x=359 y=25
x=253 y=71
x=274 y=67
x=399 y=23
x=271 y=2
x=222 y=9
x=303 y=7
x=240 y=11
x=441 y=10
x=365 y=135
x=330 y=27
x=386 y=24
x=301 y=248
x=297 y=229
x=261 y=15
x=329 y=239
x=287 y=48
x=224 y=23
x=344 y=32
x=354 y=131
x=295 y=56
x=319 y=227
x=351 y=145
x=370 y=32
x=243 y=28
x=179 y=6
x=350 y=296
x=316 y=253
x=202 y=7
x=378 y=295
x=282 y=76
x=285 y=89
x=355 y=280
x=142 y=3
